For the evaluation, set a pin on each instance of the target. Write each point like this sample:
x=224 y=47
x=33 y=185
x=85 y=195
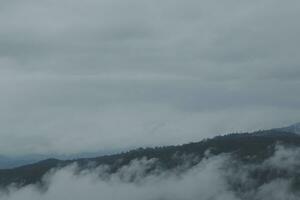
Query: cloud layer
x=212 y=178
x=101 y=75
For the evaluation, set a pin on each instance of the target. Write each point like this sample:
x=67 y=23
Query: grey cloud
x=64 y=65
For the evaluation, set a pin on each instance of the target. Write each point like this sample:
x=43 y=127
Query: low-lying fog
x=211 y=179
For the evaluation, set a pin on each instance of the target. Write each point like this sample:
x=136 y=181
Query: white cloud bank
x=209 y=180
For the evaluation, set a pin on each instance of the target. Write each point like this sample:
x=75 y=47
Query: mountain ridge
x=246 y=147
x=294 y=128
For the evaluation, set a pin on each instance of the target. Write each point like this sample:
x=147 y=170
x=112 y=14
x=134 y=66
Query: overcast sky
x=99 y=75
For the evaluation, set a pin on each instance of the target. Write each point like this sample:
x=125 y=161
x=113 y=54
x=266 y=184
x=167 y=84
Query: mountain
x=245 y=148
x=9 y=162
x=295 y=128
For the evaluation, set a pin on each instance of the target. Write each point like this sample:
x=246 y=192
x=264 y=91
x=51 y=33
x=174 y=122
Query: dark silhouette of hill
x=245 y=147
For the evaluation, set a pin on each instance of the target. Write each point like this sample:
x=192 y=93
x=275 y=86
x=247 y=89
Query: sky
x=101 y=75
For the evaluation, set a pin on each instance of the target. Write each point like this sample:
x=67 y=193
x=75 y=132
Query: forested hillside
x=245 y=148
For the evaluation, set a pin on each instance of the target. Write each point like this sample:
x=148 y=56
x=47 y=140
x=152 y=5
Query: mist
x=213 y=178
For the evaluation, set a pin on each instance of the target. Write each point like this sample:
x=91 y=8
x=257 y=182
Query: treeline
x=245 y=147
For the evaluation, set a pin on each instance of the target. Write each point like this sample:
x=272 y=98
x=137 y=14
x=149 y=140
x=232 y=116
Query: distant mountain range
x=8 y=162
x=11 y=162
x=252 y=148
x=295 y=128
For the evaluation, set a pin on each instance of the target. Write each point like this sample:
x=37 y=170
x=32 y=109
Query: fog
x=211 y=179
